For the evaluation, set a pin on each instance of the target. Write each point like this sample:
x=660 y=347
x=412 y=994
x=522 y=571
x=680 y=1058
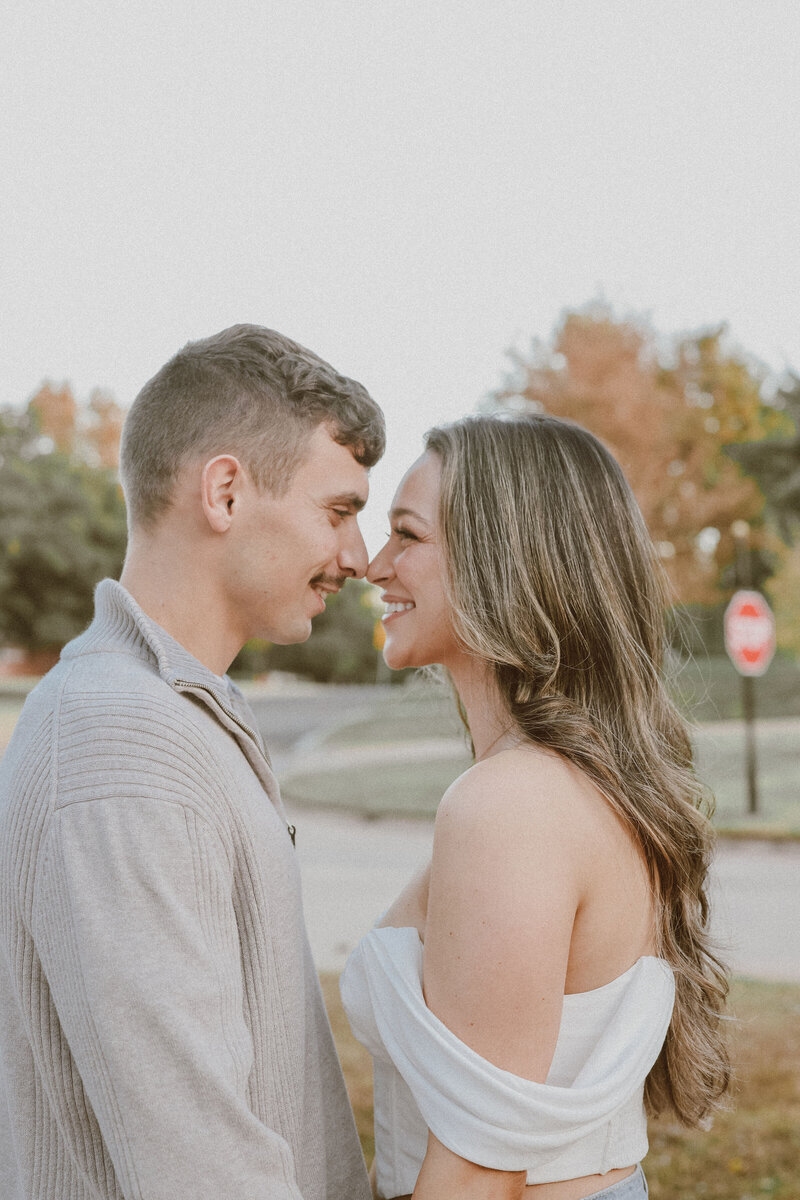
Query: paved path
x=353 y=868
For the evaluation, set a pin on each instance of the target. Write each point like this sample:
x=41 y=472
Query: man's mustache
x=334 y=582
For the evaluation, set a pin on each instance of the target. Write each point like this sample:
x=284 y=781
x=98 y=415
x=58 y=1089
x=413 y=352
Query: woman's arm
x=445 y=1175
x=506 y=883
x=410 y=907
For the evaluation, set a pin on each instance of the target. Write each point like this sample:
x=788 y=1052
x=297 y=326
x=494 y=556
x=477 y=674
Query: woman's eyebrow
x=406 y=512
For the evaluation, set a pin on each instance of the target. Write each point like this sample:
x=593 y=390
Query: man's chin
x=285 y=637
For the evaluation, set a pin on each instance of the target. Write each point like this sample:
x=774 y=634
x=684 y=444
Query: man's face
x=287 y=553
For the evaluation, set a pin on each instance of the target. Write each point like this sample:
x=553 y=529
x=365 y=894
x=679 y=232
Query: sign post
x=750 y=642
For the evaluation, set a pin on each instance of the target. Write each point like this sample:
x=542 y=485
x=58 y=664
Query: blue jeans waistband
x=634 y=1187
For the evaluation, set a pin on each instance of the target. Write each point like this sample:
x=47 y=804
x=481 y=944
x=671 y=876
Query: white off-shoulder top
x=587 y=1118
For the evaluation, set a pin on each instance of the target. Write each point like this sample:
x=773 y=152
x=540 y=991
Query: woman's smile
x=396 y=608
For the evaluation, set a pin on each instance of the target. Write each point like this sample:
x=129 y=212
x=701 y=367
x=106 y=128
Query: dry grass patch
x=356 y=1063
x=752 y=1151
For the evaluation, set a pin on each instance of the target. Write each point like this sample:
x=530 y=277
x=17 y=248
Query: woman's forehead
x=418 y=491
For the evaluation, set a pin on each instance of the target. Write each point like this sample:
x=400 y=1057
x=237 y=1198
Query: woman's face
x=408 y=570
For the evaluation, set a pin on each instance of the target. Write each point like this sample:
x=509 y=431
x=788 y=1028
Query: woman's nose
x=380 y=569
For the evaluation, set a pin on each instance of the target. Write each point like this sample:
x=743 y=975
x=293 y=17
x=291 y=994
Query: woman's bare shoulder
x=526 y=785
x=516 y=826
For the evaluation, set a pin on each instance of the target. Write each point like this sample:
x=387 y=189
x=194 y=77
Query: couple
x=162 y=1032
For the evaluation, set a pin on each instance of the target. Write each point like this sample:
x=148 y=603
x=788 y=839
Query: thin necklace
x=492 y=745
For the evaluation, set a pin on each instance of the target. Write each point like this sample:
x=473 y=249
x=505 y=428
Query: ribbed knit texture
x=162 y=1030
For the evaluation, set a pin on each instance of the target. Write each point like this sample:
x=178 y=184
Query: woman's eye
x=405 y=534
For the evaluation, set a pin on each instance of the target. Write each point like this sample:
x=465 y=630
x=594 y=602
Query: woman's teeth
x=397 y=608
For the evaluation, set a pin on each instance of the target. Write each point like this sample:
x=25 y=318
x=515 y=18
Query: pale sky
x=409 y=188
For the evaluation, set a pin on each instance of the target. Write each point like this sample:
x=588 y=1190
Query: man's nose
x=353 y=557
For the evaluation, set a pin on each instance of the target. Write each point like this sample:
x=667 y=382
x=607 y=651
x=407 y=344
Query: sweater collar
x=121 y=624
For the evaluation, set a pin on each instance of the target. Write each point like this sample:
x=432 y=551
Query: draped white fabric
x=587 y=1117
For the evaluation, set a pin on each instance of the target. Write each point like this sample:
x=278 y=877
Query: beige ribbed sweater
x=162 y=1032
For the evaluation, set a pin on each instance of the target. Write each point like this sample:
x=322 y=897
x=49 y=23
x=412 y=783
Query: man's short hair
x=247 y=391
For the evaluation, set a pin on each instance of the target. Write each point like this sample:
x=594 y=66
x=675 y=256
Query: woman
x=551 y=967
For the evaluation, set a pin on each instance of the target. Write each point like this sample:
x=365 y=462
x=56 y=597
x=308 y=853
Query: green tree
x=775 y=462
x=62 y=530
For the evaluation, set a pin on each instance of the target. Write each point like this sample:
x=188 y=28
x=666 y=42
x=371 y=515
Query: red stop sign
x=749 y=633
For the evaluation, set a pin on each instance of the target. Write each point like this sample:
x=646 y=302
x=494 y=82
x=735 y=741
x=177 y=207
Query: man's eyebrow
x=406 y=512
x=347 y=500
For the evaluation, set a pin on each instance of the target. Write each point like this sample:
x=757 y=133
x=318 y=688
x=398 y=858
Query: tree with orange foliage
x=90 y=433
x=105 y=430
x=56 y=414
x=665 y=412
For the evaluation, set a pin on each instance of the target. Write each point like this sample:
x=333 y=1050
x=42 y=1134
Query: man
x=161 y=1024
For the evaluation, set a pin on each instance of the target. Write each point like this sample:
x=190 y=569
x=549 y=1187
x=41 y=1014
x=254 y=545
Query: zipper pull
x=292 y=833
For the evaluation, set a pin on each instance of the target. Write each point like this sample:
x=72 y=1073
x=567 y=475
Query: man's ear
x=220 y=490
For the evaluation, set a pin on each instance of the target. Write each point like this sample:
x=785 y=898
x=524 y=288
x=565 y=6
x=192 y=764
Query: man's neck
x=176 y=592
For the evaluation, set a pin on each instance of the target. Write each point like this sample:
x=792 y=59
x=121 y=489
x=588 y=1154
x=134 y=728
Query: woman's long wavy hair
x=552 y=579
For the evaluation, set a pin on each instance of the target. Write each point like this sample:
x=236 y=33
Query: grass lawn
x=414 y=788
x=710 y=689
x=418 y=710
x=378 y=789
x=751 y=1152
x=720 y=757
x=388 y=784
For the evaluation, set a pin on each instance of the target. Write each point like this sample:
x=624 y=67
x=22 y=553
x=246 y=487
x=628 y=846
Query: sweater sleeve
x=138 y=939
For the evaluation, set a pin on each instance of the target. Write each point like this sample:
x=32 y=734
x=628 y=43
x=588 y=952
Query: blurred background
x=588 y=208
